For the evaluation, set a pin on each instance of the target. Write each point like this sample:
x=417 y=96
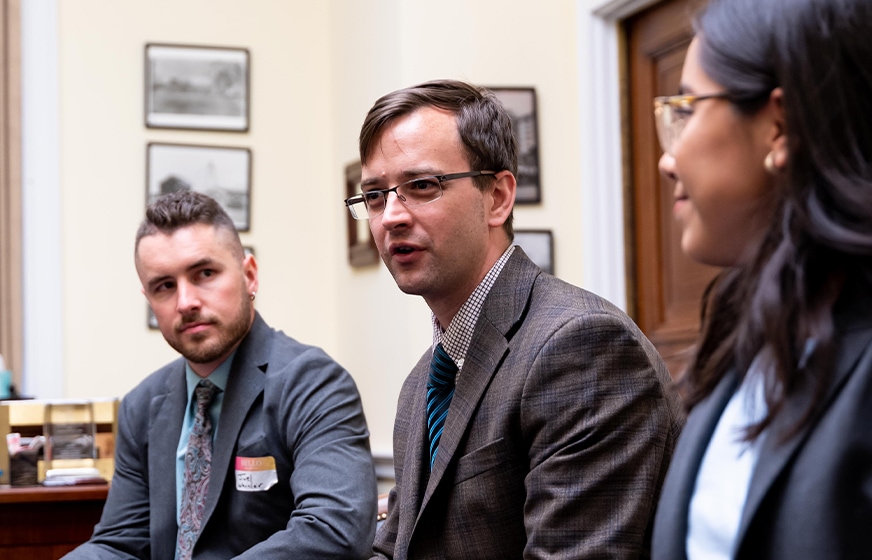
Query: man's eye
x=424 y=184
x=163 y=287
x=372 y=196
x=206 y=273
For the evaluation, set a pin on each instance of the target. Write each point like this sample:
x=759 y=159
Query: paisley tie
x=198 y=466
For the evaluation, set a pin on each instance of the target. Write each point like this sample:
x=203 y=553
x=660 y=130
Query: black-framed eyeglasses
x=672 y=112
x=414 y=192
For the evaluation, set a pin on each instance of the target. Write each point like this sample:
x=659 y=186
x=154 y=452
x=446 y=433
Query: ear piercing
x=769 y=163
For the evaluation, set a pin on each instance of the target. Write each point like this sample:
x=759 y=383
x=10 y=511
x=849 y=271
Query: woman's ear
x=778 y=138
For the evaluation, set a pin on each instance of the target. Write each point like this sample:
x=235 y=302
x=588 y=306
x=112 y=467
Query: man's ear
x=502 y=198
x=249 y=268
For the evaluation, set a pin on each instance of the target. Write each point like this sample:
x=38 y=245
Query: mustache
x=192 y=318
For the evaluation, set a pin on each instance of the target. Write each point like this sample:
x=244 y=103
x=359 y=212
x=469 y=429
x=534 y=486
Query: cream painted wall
x=382 y=45
x=295 y=217
x=316 y=69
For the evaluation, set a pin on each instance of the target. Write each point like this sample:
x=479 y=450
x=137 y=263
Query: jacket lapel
x=167 y=412
x=503 y=309
x=416 y=459
x=478 y=370
x=672 y=512
x=244 y=385
x=775 y=454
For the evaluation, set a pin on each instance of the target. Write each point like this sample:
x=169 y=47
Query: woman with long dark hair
x=770 y=148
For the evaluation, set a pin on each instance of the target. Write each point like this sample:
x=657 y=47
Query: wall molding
x=602 y=160
x=42 y=255
x=11 y=321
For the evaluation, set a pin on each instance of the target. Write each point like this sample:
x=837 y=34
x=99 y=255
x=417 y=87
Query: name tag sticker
x=255 y=474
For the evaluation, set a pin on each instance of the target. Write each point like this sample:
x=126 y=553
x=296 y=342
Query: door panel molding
x=666 y=284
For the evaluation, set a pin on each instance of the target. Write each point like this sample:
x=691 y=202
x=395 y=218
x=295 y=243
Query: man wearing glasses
x=541 y=421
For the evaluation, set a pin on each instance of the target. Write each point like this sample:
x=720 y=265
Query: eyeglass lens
x=411 y=193
x=670 y=121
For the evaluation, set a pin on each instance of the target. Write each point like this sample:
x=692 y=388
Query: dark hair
x=484 y=125
x=181 y=209
x=819 y=245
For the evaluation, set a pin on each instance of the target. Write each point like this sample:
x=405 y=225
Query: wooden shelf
x=44 y=523
x=31 y=494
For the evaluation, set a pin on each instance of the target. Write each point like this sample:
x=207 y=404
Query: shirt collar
x=457 y=338
x=219 y=377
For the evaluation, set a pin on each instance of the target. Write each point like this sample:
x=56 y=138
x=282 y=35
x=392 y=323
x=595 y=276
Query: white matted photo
x=196 y=87
x=222 y=173
x=539 y=246
x=520 y=103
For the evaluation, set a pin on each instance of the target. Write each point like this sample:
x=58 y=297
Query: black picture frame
x=222 y=172
x=361 y=245
x=520 y=103
x=197 y=87
x=539 y=246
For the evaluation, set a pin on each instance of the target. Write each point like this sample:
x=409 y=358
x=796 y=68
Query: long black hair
x=819 y=244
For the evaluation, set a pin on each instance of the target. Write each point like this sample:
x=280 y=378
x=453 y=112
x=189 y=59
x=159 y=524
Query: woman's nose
x=667 y=167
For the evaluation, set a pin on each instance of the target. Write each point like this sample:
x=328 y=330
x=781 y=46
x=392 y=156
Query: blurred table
x=44 y=523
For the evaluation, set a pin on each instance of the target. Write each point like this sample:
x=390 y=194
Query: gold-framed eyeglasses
x=414 y=192
x=671 y=114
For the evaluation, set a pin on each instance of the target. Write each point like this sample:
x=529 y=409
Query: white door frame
x=602 y=211
x=42 y=256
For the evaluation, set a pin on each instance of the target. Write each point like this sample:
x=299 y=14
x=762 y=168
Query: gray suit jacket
x=283 y=399
x=810 y=496
x=556 y=441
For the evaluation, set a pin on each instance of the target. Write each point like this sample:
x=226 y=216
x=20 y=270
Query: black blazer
x=811 y=495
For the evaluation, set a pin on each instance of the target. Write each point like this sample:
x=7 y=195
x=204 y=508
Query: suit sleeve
x=123 y=530
x=333 y=478
x=386 y=538
x=600 y=433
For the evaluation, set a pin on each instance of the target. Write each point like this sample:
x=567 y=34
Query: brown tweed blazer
x=556 y=442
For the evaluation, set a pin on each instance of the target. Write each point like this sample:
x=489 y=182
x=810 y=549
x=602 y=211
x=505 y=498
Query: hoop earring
x=769 y=164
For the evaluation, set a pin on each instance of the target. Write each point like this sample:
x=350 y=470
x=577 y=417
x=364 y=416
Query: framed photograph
x=151 y=320
x=539 y=246
x=222 y=173
x=520 y=103
x=193 y=87
x=361 y=245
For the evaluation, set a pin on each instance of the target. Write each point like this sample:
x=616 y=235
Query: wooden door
x=665 y=285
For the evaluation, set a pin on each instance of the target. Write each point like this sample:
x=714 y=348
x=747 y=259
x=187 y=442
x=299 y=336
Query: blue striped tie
x=440 y=389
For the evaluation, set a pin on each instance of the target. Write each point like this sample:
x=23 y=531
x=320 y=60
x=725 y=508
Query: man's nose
x=395 y=211
x=188 y=297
